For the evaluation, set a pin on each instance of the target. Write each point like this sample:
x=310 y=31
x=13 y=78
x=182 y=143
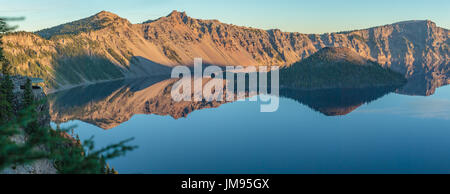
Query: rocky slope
x=105 y=47
x=334 y=67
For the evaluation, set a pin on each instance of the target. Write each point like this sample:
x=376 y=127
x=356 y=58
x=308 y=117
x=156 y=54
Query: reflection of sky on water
x=436 y=106
x=393 y=134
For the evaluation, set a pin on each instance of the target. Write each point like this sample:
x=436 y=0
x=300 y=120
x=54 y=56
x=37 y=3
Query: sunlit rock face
x=106 y=47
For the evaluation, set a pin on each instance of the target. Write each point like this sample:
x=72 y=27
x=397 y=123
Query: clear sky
x=309 y=16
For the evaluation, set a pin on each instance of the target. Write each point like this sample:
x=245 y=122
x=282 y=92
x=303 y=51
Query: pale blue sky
x=288 y=15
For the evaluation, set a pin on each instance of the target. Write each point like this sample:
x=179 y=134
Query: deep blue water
x=393 y=134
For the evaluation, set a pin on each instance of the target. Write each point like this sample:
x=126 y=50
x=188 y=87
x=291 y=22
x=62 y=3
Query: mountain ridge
x=183 y=15
x=416 y=49
x=95 y=22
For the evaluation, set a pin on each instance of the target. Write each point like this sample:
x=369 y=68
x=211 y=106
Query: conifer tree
x=12 y=153
x=6 y=108
x=103 y=163
x=113 y=171
x=28 y=96
x=5 y=65
x=6 y=84
x=28 y=102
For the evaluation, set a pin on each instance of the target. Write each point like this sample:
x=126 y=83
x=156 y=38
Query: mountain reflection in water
x=109 y=104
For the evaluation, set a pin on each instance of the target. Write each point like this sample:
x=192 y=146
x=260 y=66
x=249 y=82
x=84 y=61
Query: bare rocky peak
x=106 y=18
x=104 y=13
x=415 y=22
x=174 y=16
x=177 y=15
x=96 y=22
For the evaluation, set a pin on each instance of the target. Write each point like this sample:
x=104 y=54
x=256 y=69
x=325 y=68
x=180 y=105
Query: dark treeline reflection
x=334 y=102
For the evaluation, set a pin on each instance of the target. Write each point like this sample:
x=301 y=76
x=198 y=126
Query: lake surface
x=340 y=131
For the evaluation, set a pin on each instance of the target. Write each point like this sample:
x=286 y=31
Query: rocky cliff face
x=43 y=108
x=105 y=47
x=42 y=166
